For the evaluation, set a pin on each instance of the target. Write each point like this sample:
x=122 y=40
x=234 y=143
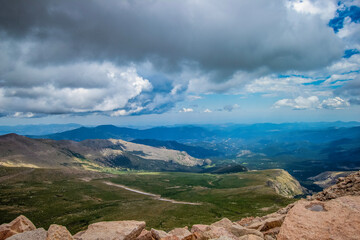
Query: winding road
x=155 y=196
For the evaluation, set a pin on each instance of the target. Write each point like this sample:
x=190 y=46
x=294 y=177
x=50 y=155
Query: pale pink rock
x=239 y=231
x=268 y=223
x=115 y=230
x=57 y=232
x=222 y=238
x=172 y=237
x=245 y=221
x=340 y=219
x=217 y=232
x=159 y=234
x=225 y=223
x=18 y=225
x=224 y=229
x=181 y=233
x=145 y=235
x=250 y=237
x=273 y=232
x=200 y=228
x=267 y=237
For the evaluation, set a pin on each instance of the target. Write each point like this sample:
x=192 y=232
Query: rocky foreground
x=331 y=214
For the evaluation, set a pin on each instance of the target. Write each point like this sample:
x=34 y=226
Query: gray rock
x=37 y=234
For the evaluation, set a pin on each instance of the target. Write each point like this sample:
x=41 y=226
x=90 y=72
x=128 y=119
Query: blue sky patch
x=352 y=12
x=349 y=52
x=316 y=83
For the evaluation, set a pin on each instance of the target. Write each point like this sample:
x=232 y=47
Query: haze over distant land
x=147 y=63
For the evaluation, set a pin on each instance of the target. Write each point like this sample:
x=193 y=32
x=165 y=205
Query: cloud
x=334 y=103
x=23 y=115
x=140 y=57
x=207 y=111
x=185 y=110
x=299 y=103
x=75 y=88
x=324 y=8
x=312 y=102
x=136 y=31
x=230 y=108
x=194 y=97
x=351 y=91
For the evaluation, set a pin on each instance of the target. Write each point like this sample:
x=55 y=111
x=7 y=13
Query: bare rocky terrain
x=331 y=214
x=329 y=178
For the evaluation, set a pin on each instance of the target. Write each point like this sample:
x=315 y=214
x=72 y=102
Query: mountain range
x=303 y=149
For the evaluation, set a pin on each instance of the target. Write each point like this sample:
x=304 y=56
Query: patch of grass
x=48 y=196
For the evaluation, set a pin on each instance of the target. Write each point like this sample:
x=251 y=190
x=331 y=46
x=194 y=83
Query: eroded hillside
x=20 y=151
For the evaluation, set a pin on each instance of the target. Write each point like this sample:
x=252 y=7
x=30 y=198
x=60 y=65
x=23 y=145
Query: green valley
x=76 y=198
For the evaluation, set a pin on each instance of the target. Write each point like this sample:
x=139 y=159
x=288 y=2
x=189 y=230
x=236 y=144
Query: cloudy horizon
x=172 y=62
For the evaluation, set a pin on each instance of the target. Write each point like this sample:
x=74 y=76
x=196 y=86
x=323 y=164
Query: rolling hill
x=20 y=151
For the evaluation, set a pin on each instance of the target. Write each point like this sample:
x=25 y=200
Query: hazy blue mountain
x=109 y=131
x=39 y=129
x=288 y=132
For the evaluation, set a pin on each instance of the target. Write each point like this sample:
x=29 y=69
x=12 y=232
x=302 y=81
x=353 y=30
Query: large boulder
x=335 y=219
x=115 y=230
x=18 y=225
x=57 y=232
x=37 y=234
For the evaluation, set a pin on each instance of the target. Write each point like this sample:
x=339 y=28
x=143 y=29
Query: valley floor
x=78 y=198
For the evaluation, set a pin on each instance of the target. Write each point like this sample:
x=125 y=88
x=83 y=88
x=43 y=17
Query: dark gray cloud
x=221 y=36
x=60 y=56
x=351 y=91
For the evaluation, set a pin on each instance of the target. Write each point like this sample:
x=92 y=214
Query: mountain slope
x=16 y=150
x=198 y=152
x=20 y=151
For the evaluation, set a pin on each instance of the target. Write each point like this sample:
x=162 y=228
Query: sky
x=163 y=62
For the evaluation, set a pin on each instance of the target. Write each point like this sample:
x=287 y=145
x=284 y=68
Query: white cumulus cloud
x=299 y=103
x=335 y=103
x=185 y=110
x=312 y=102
